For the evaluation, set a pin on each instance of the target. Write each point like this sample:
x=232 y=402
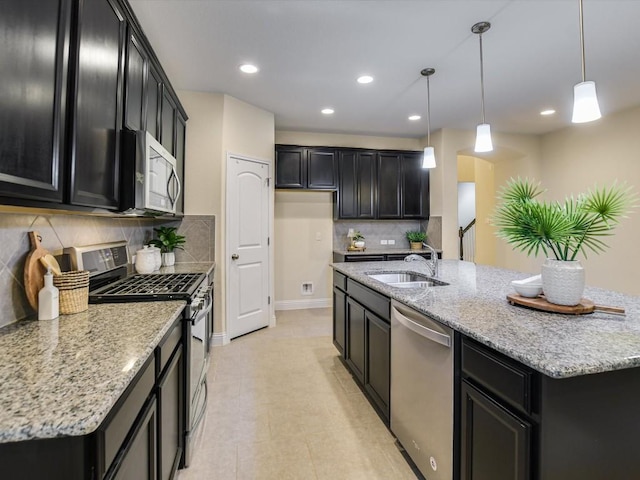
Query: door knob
x=235 y=256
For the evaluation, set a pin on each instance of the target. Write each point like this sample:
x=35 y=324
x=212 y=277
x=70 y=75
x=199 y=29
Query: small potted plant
x=358 y=239
x=168 y=240
x=416 y=238
x=560 y=230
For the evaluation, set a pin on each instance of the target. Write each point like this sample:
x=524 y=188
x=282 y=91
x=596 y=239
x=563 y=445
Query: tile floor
x=282 y=406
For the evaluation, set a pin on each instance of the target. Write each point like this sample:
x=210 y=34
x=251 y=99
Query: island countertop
x=475 y=304
x=61 y=377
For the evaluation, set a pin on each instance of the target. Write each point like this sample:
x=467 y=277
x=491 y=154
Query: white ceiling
x=310 y=52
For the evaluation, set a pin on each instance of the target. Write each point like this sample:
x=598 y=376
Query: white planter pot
x=168 y=259
x=358 y=244
x=563 y=281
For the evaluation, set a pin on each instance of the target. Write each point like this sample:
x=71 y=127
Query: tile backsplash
x=376 y=230
x=59 y=231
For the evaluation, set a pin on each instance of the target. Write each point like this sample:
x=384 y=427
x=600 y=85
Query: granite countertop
x=475 y=304
x=379 y=250
x=61 y=377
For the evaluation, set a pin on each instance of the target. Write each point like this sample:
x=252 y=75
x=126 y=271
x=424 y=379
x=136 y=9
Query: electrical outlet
x=392 y=242
x=383 y=242
x=306 y=288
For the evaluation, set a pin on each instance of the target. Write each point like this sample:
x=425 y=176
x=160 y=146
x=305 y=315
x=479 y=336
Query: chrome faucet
x=432 y=264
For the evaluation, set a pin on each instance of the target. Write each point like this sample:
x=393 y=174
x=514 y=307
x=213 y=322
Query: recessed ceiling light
x=550 y=111
x=365 y=79
x=415 y=117
x=327 y=111
x=248 y=68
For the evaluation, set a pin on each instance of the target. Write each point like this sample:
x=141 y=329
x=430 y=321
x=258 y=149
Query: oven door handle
x=201 y=313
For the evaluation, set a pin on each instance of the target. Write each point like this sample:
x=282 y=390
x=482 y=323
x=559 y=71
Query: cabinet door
x=153 y=92
x=171 y=397
x=366 y=184
x=135 y=79
x=347 y=195
x=389 y=185
x=98 y=111
x=181 y=132
x=322 y=169
x=35 y=46
x=291 y=167
x=377 y=379
x=168 y=121
x=495 y=444
x=415 y=187
x=355 y=353
x=139 y=456
x=339 y=320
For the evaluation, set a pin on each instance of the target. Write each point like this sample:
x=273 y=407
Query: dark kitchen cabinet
x=355 y=354
x=139 y=455
x=136 y=71
x=154 y=102
x=389 y=185
x=378 y=347
x=33 y=126
x=379 y=257
x=306 y=168
x=170 y=416
x=356 y=195
x=95 y=155
x=415 y=187
x=168 y=116
x=339 y=312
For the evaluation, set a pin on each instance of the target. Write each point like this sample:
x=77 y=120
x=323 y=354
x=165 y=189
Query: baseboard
x=220 y=339
x=303 y=304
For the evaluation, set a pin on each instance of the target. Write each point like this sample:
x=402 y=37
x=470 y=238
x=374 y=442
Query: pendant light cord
x=428 y=114
x=582 y=42
x=482 y=77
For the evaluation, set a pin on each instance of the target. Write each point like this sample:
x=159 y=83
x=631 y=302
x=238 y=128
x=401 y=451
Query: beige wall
x=300 y=217
x=578 y=157
x=466 y=168
x=219 y=124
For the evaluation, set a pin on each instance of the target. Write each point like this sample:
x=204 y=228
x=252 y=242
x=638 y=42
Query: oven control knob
x=235 y=256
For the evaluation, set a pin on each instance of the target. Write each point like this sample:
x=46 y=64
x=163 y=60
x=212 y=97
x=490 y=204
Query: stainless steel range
x=110 y=283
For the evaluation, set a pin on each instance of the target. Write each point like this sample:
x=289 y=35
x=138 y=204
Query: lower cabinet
x=378 y=348
x=495 y=443
x=170 y=416
x=138 y=457
x=362 y=315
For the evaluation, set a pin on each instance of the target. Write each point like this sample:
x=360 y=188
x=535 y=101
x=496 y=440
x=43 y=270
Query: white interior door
x=247 y=245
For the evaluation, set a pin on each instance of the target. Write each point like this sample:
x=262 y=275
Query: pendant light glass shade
x=585 y=103
x=585 y=100
x=429 y=159
x=483 y=138
x=483 y=132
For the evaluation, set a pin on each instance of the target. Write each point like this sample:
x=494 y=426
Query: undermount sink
x=406 y=280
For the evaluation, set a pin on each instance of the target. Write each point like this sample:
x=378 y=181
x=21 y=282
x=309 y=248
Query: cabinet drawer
x=115 y=430
x=375 y=302
x=506 y=378
x=365 y=258
x=340 y=281
x=168 y=345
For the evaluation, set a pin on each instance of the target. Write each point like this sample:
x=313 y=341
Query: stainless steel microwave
x=150 y=181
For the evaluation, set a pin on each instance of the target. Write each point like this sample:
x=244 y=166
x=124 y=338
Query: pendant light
x=585 y=100
x=483 y=133
x=429 y=159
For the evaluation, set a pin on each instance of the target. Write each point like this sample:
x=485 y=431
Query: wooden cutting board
x=540 y=303
x=34 y=270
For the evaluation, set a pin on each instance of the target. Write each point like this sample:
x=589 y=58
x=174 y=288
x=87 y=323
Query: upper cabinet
x=33 y=99
x=75 y=73
x=356 y=195
x=415 y=186
x=95 y=148
x=306 y=167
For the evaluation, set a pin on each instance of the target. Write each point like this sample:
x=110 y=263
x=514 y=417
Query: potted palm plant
x=168 y=240
x=561 y=230
x=416 y=238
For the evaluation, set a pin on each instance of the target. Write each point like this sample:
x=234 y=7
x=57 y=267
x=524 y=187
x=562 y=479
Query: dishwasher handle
x=433 y=335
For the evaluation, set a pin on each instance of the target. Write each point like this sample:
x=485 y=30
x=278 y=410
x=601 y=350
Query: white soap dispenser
x=48 y=299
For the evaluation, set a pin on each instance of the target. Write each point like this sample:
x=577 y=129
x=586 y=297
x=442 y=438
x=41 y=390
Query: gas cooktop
x=139 y=288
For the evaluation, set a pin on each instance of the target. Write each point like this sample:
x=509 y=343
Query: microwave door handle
x=175 y=174
x=169 y=182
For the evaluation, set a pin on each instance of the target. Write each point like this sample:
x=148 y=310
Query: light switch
x=383 y=242
x=392 y=242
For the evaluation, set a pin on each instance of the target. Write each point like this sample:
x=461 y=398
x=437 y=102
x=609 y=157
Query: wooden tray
x=540 y=303
x=34 y=270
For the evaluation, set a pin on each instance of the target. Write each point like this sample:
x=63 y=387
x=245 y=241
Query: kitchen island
x=560 y=391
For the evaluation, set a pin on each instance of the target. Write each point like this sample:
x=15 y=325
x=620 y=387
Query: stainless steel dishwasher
x=422 y=390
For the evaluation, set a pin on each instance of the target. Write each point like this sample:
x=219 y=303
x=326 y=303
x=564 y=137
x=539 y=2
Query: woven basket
x=74 y=291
